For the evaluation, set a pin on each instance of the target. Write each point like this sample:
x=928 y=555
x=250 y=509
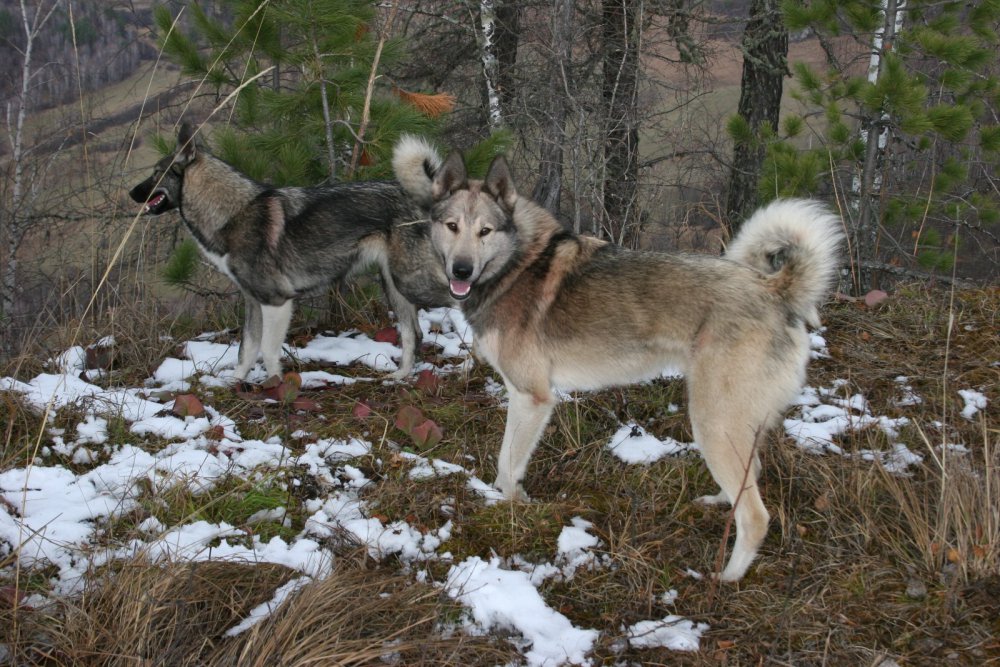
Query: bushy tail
x=415 y=162
x=796 y=242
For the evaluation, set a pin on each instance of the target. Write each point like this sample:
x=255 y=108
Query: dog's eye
x=485 y=231
x=452 y=227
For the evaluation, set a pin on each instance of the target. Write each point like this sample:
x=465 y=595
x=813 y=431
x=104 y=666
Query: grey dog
x=279 y=243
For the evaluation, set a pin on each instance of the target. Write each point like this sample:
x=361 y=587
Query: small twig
x=372 y=76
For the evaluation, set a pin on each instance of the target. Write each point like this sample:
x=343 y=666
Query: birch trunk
x=491 y=64
x=866 y=187
x=18 y=217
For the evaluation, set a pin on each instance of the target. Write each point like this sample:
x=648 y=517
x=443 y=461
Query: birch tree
x=908 y=147
x=866 y=185
x=16 y=218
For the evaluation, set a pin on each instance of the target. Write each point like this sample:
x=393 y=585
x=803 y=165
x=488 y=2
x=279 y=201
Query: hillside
x=320 y=524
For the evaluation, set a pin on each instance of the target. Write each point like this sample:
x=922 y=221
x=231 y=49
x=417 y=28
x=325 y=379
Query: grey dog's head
x=161 y=192
x=472 y=226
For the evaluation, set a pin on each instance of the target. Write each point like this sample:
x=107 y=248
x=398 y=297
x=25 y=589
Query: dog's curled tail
x=415 y=161
x=797 y=243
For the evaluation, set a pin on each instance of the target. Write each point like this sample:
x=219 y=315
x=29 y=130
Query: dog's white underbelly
x=597 y=370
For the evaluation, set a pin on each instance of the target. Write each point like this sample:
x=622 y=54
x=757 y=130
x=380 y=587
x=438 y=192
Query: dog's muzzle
x=459 y=284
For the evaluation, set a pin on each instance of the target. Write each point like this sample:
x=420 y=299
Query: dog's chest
x=488 y=347
x=220 y=262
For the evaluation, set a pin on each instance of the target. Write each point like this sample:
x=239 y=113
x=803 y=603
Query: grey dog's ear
x=450 y=177
x=499 y=184
x=187 y=147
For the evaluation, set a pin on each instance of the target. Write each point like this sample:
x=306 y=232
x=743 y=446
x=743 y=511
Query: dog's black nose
x=461 y=270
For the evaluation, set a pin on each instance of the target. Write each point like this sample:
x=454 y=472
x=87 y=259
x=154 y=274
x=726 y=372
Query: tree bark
x=18 y=218
x=548 y=187
x=506 y=35
x=765 y=65
x=867 y=186
x=491 y=64
x=619 y=93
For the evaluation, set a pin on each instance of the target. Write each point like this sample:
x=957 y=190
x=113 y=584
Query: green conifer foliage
x=300 y=122
x=937 y=94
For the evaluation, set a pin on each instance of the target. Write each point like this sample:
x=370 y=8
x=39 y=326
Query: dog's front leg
x=527 y=416
x=253 y=327
x=409 y=326
x=276 y=320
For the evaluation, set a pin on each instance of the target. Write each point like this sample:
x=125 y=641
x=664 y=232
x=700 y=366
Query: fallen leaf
x=306 y=405
x=216 y=432
x=426 y=434
x=822 y=504
x=294 y=379
x=408 y=417
x=188 y=405
x=286 y=392
x=362 y=410
x=428 y=382
x=875 y=297
x=271 y=382
x=387 y=335
x=98 y=357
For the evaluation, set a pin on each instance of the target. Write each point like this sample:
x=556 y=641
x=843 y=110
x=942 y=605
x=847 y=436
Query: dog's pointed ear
x=450 y=177
x=187 y=146
x=499 y=184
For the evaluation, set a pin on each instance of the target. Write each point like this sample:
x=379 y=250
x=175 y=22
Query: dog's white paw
x=399 y=374
x=516 y=493
x=718 y=499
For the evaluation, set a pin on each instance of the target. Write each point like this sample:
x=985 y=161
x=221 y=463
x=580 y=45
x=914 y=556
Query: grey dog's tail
x=797 y=243
x=415 y=162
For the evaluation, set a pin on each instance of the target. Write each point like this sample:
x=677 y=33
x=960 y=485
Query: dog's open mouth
x=460 y=289
x=156 y=204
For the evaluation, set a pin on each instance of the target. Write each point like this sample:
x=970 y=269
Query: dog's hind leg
x=250 y=337
x=527 y=415
x=728 y=426
x=276 y=320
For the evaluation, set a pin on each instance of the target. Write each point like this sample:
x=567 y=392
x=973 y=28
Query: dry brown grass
x=177 y=614
x=859 y=566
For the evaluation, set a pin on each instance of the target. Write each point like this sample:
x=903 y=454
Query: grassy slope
x=858 y=564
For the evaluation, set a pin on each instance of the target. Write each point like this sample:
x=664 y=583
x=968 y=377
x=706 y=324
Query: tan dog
x=551 y=309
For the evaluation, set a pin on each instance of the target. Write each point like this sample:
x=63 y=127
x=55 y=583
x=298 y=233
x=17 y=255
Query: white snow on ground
x=498 y=598
x=51 y=515
x=673 y=632
x=263 y=610
x=633 y=445
x=974 y=402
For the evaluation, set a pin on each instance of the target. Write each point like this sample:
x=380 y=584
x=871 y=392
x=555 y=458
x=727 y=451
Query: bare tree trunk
x=18 y=218
x=765 y=53
x=548 y=188
x=506 y=34
x=491 y=64
x=866 y=187
x=619 y=92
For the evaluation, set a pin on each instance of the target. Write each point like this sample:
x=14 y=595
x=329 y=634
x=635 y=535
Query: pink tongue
x=460 y=288
x=154 y=201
